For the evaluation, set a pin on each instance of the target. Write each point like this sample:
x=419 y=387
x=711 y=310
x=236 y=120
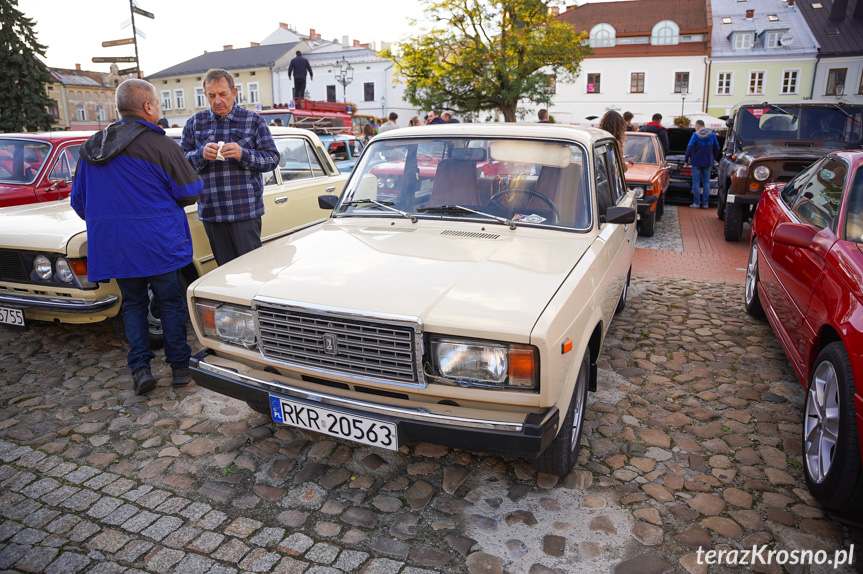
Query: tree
x=24 y=100
x=485 y=55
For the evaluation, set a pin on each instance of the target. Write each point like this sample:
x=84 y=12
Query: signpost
x=143 y=13
x=126 y=41
x=122 y=42
x=127 y=71
x=114 y=59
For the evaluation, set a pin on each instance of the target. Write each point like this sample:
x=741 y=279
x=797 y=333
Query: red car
x=805 y=273
x=38 y=166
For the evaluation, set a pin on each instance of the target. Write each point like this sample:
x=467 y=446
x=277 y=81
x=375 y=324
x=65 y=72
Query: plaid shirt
x=233 y=189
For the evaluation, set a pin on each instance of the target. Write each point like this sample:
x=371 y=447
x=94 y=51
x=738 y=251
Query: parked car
x=43 y=247
x=773 y=143
x=434 y=313
x=648 y=178
x=39 y=166
x=680 y=173
x=805 y=273
x=344 y=150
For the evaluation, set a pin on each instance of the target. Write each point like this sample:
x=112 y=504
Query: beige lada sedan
x=462 y=301
x=43 y=246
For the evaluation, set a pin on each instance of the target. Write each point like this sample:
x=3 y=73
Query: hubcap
x=578 y=415
x=752 y=273
x=821 y=425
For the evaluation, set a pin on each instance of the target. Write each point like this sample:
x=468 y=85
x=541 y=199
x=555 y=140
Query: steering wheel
x=837 y=134
x=532 y=193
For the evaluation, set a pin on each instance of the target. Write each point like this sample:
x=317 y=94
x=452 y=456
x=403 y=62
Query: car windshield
x=512 y=181
x=21 y=160
x=640 y=149
x=840 y=127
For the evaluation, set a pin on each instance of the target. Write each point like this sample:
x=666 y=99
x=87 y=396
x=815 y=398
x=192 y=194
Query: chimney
x=78 y=67
x=205 y=51
x=837 y=11
x=345 y=42
x=285 y=26
x=356 y=44
x=790 y=3
x=228 y=47
x=750 y=14
x=311 y=33
x=254 y=44
x=555 y=11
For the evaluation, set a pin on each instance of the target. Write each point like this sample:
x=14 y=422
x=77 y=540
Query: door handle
x=282 y=199
x=331 y=188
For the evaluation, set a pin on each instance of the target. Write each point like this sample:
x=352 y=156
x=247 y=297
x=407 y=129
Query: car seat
x=455 y=183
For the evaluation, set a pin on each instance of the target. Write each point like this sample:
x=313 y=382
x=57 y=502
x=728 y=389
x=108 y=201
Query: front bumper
x=743 y=199
x=646 y=203
x=74 y=306
x=526 y=439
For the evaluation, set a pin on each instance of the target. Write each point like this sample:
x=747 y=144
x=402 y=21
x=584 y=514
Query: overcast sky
x=74 y=30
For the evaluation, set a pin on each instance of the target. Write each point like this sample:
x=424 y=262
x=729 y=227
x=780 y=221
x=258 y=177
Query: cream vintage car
x=452 y=307
x=43 y=247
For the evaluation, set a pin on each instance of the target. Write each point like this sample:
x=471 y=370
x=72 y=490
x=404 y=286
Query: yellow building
x=83 y=100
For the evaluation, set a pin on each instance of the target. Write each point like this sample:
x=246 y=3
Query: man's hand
x=232 y=151
x=211 y=150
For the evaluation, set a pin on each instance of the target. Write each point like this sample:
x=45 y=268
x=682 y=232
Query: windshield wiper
x=841 y=110
x=452 y=208
x=777 y=108
x=384 y=205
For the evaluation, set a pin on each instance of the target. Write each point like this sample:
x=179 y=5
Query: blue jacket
x=130 y=187
x=702 y=149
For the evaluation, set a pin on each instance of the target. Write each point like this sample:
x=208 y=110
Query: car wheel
x=562 y=454
x=720 y=207
x=831 y=450
x=647 y=224
x=621 y=303
x=660 y=208
x=751 y=299
x=155 y=334
x=733 y=222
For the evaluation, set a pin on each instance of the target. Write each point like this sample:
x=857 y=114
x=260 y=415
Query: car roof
x=525 y=130
x=50 y=136
x=275 y=130
x=790 y=104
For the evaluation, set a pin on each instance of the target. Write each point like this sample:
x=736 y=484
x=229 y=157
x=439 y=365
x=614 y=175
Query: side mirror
x=795 y=234
x=620 y=215
x=729 y=122
x=328 y=201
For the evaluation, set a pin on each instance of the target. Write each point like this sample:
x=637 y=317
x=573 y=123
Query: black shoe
x=182 y=376
x=143 y=381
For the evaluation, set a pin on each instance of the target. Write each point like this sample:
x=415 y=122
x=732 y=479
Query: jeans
x=172 y=310
x=701 y=178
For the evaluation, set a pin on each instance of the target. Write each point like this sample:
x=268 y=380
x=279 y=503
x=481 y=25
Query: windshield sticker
x=758 y=112
x=532 y=218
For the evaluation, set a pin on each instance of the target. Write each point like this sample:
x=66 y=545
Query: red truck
x=332 y=117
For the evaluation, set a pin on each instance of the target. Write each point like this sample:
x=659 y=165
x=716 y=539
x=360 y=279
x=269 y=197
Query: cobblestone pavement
x=692 y=441
x=666 y=236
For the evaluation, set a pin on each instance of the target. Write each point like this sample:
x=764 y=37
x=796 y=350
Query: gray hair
x=699 y=123
x=217 y=74
x=132 y=94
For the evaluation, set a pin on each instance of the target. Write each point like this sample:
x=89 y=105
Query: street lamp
x=383 y=106
x=345 y=76
x=683 y=91
x=840 y=91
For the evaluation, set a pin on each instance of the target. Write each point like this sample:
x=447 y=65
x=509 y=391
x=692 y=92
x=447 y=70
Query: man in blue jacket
x=701 y=153
x=131 y=184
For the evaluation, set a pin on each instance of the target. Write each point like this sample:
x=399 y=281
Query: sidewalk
x=706 y=256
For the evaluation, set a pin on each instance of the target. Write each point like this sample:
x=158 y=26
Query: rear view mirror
x=794 y=234
x=328 y=201
x=620 y=215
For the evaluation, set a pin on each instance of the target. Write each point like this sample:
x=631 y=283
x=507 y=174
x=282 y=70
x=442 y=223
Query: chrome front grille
x=366 y=348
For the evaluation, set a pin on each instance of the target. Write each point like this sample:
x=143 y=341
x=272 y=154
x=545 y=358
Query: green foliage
x=23 y=97
x=485 y=55
x=229 y=470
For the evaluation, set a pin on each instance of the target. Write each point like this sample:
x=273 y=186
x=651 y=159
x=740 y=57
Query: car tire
x=733 y=222
x=621 y=303
x=831 y=448
x=751 y=298
x=562 y=454
x=647 y=224
x=660 y=208
x=720 y=207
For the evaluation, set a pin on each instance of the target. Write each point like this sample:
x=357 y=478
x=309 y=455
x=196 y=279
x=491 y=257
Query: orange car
x=648 y=177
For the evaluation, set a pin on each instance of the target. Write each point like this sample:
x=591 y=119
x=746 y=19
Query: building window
x=331 y=93
x=166 y=100
x=550 y=84
x=681 y=81
x=789 y=81
x=835 y=77
x=200 y=98
x=742 y=40
x=369 y=92
x=756 y=84
x=602 y=36
x=180 y=99
x=593 y=83
x=254 y=94
x=665 y=33
x=100 y=113
x=54 y=110
x=636 y=83
x=82 y=113
x=772 y=40
x=723 y=83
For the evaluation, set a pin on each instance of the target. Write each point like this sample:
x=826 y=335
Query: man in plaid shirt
x=232 y=203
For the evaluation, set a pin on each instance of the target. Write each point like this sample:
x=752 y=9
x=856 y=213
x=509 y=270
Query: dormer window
x=602 y=36
x=743 y=40
x=772 y=39
x=665 y=33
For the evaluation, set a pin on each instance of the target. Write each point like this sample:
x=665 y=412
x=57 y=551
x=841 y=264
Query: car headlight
x=231 y=324
x=485 y=364
x=639 y=192
x=42 y=267
x=391 y=182
x=64 y=271
x=761 y=173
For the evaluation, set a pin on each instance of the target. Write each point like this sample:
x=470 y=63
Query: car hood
x=640 y=172
x=761 y=152
x=40 y=226
x=501 y=279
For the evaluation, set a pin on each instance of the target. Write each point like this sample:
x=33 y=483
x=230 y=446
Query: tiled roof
x=836 y=37
x=252 y=57
x=637 y=17
x=69 y=77
x=784 y=18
